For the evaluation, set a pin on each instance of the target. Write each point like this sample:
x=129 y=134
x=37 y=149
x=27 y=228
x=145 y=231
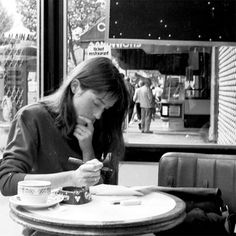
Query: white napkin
x=146 y=189
x=113 y=190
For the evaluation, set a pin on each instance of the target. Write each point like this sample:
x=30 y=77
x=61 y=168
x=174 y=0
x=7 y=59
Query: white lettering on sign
x=125 y=45
x=99 y=49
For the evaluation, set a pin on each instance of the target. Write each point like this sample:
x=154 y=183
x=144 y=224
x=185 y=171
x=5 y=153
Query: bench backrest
x=178 y=169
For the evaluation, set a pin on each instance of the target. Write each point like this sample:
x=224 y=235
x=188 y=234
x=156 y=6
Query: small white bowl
x=34 y=191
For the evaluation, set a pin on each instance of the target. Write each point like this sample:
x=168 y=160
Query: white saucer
x=52 y=200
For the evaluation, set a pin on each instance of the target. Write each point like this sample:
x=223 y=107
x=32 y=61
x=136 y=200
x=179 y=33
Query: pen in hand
x=76 y=163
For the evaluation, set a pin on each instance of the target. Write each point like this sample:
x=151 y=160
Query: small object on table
x=128 y=202
x=34 y=191
x=75 y=195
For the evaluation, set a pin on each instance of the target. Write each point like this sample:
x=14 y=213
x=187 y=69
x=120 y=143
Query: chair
x=178 y=169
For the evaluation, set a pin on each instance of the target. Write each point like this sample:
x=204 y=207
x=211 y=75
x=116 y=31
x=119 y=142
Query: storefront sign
x=125 y=45
x=99 y=49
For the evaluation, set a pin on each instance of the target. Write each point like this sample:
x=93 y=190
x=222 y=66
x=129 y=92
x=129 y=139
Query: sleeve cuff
x=11 y=183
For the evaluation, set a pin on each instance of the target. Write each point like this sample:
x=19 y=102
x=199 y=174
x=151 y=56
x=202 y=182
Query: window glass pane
x=18 y=55
x=181 y=89
x=82 y=15
x=193 y=87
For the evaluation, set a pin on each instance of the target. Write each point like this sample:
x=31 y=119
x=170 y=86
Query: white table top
x=101 y=210
x=156 y=211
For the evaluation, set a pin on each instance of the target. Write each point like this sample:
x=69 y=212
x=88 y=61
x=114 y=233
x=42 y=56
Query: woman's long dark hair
x=100 y=75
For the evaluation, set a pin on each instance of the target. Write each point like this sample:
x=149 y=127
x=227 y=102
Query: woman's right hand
x=87 y=174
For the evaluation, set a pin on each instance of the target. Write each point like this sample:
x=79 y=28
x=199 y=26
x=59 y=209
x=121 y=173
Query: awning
x=93 y=34
x=97 y=34
x=167 y=59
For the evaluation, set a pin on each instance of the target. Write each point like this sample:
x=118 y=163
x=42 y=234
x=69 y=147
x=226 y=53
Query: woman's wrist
x=87 y=156
x=60 y=179
x=72 y=179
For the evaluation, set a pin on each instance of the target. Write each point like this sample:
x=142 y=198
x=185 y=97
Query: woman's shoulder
x=32 y=111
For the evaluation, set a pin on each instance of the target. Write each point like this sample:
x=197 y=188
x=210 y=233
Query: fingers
x=81 y=130
x=84 y=128
x=92 y=166
x=87 y=180
x=92 y=170
x=92 y=181
x=82 y=120
x=89 y=173
x=93 y=175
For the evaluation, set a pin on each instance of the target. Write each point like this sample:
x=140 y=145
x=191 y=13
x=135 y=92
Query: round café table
x=156 y=212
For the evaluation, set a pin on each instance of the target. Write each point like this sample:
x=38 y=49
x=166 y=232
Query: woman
x=83 y=119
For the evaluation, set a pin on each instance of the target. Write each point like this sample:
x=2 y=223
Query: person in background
x=76 y=121
x=157 y=93
x=131 y=90
x=146 y=104
x=136 y=99
x=153 y=103
x=7 y=109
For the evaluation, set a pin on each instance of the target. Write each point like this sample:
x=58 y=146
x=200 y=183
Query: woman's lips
x=82 y=122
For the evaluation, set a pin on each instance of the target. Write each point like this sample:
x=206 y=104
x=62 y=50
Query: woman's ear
x=75 y=85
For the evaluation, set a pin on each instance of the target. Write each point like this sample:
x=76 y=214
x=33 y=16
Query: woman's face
x=90 y=104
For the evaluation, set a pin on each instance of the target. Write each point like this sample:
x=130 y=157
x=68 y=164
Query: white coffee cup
x=34 y=191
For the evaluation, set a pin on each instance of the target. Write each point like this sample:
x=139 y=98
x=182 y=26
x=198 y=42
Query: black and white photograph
x=118 y=117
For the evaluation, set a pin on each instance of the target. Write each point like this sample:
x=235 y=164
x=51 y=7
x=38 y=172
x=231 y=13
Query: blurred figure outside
x=136 y=99
x=131 y=90
x=157 y=93
x=146 y=103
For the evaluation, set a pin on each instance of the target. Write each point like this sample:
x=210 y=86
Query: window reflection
x=183 y=108
x=18 y=51
x=18 y=80
x=81 y=16
x=196 y=104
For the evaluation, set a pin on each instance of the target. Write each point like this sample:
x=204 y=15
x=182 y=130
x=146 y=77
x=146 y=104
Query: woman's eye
x=97 y=104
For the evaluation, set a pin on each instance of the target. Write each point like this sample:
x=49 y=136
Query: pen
x=128 y=202
x=77 y=162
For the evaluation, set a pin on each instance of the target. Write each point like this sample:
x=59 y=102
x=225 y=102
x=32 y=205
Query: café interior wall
x=227 y=95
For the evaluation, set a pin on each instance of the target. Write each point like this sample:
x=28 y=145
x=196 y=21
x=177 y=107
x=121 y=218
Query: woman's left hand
x=84 y=134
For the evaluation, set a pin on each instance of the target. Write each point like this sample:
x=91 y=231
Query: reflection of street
x=163 y=135
x=4 y=127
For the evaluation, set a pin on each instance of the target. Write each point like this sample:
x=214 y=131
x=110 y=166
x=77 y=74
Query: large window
x=81 y=17
x=18 y=56
x=192 y=106
x=194 y=84
x=195 y=104
x=18 y=60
